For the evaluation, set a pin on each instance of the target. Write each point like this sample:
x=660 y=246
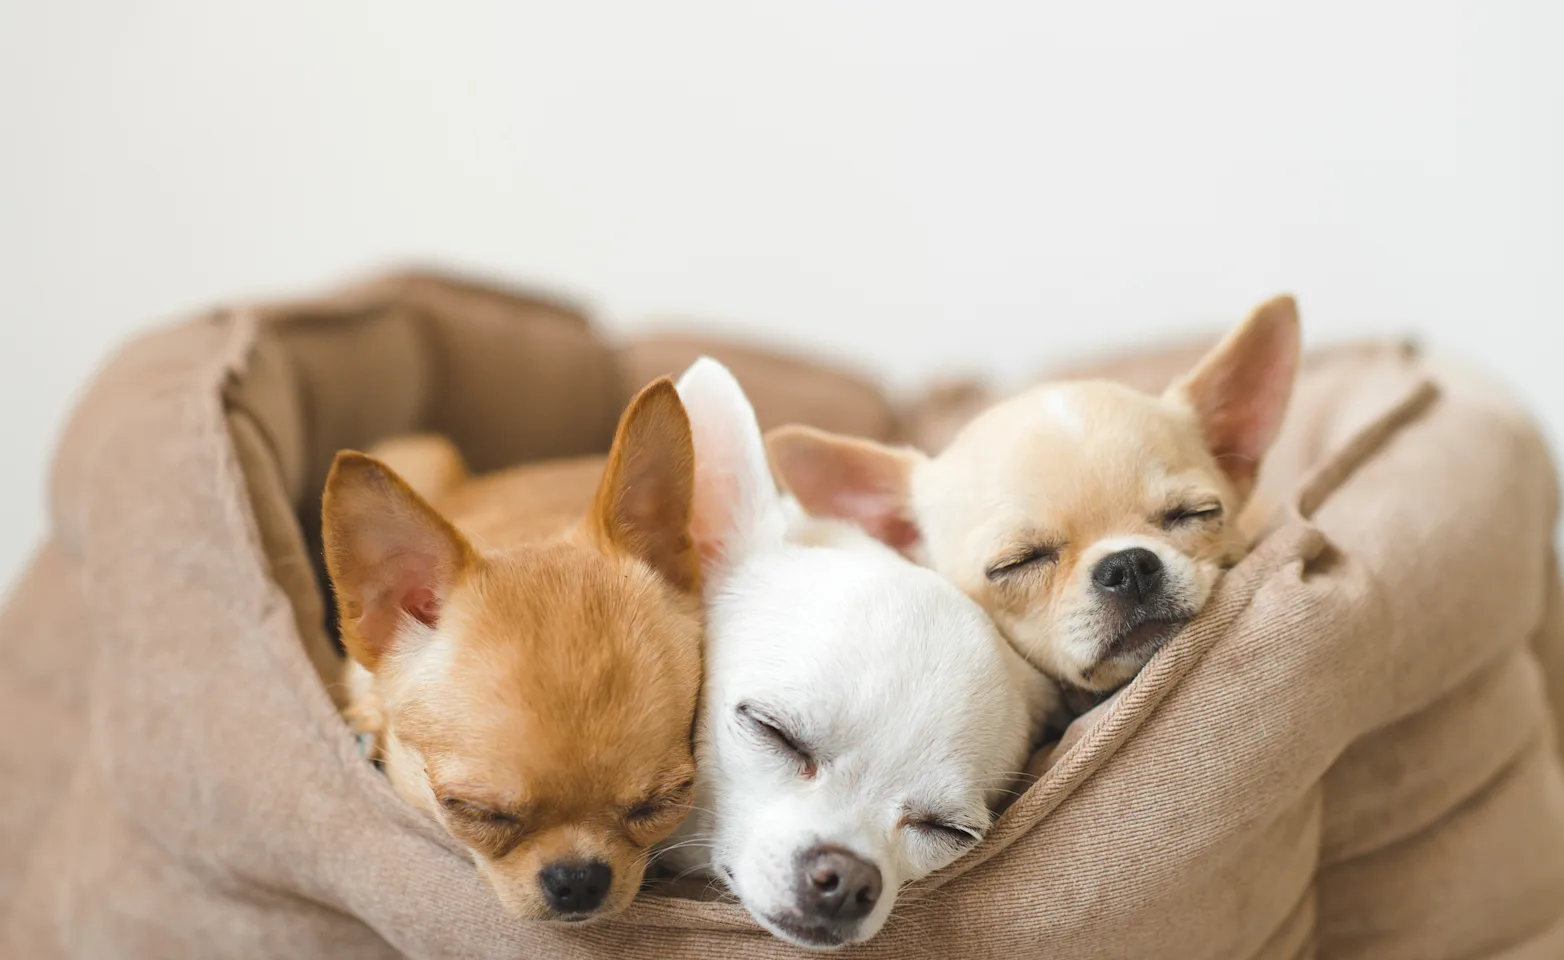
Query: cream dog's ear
x=849 y=478
x=1239 y=391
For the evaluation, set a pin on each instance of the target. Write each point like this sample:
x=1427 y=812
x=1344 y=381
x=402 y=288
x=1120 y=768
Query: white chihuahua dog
x=861 y=717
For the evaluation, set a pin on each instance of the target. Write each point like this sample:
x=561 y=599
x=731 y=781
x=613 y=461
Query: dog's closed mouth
x=1148 y=635
x=812 y=935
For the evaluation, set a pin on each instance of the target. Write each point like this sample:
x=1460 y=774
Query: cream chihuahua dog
x=1089 y=519
x=860 y=718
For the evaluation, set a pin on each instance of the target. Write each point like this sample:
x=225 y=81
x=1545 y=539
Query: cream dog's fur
x=1091 y=520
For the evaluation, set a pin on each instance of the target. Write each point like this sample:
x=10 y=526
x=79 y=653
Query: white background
x=920 y=187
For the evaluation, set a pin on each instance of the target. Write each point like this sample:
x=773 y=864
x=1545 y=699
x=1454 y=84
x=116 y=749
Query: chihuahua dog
x=1089 y=519
x=860 y=717
x=528 y=674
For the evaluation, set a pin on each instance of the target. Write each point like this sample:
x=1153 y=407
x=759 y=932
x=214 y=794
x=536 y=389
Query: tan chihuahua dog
x=529 y=676
x=1089 y=519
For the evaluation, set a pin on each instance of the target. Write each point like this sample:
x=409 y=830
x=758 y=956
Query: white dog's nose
x=836 y=885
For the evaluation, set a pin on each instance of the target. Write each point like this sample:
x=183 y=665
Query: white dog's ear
x=847 y=478
x=1239 y=391
x=737 y=506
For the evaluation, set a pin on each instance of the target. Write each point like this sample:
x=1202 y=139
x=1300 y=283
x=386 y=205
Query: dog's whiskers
x=689 y=870
x=901 y=919
x=707 y=842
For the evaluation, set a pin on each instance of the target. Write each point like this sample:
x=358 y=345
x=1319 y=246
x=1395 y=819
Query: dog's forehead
x=1049 y=428
x=821 y=606
x=557 y=681
x=560 y=764
x=566 y=619
x=1064 y=450
x=857 y=639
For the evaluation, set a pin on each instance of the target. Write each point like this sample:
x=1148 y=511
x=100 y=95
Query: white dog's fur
x=915 y=714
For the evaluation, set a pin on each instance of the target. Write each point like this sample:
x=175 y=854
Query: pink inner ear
x=854 y=483
x=412 y=596
x=715 y=513
x=879 y=515
x=895 y=532
x=415 y=590
x=423 y=604
x=1241 y=407
x=1254 y=401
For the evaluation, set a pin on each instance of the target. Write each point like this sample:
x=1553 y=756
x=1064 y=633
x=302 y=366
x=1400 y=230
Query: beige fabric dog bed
x=1351 y=754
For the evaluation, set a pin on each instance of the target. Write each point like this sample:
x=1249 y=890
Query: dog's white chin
x=797 y=932
x=779 y=916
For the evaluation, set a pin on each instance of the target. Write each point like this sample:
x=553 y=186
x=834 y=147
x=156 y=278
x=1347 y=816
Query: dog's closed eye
x=496 y=832
x=1033 y=555
x=945 y=832
x=1186 y=514
x=778 y=738
x=477 y=813
x=660 y=804
x=645 y=811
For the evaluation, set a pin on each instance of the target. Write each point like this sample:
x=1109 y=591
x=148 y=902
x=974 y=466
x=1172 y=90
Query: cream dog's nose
x=1134 y=576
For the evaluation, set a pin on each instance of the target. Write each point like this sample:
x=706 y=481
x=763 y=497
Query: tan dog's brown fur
x=1031 y=498
x=525 y=648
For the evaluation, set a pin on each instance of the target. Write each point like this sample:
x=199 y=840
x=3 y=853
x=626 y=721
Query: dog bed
x=1352 y=753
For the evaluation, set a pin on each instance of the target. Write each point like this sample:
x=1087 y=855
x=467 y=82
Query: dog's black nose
x=576 y=887
x=836 y=885
x=1133 y=575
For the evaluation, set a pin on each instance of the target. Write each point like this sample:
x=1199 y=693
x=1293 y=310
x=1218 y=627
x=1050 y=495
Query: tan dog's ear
x=1239 y=391
x=646 y=496
x=390 y=555
x=849 y=479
